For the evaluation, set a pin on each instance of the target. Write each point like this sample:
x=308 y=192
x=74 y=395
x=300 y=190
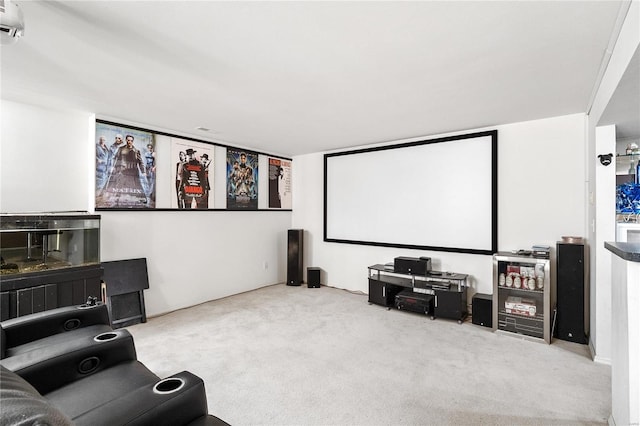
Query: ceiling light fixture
x=11 y=22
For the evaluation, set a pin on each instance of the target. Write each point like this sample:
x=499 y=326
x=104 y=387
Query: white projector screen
x=438 y=194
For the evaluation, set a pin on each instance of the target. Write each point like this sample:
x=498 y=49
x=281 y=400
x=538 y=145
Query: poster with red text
x=279 y=183
x=192 y=174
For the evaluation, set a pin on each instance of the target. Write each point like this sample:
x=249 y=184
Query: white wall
x=44 y=158
x=197 y=256
x=541 y=197
x=625 y=364
x=626 y=45
x=600 y=303
x=47 y=159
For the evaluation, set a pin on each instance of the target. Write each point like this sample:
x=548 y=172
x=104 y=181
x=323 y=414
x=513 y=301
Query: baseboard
x=595 y=357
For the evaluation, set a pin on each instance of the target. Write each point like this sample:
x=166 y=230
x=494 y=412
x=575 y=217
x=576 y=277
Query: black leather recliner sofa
x=52 y=348
x=67 y=366
x=126 y=394
x=44 y=329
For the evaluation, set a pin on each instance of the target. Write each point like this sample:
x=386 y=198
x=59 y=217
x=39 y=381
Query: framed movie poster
x=279 y=183
x=192 y=174
x=242 y=180
x=125 y=167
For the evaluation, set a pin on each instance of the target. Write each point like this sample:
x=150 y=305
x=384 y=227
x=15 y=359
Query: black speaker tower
x=570 y=316
x=294 y=256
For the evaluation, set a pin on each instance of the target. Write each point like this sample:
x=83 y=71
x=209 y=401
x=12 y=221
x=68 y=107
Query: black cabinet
x=449 y=290
x=382 y=293
x=450 y=304
x=41 y=291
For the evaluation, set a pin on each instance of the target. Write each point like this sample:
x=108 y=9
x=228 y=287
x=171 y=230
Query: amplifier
x=408 y=300
x=412 y=265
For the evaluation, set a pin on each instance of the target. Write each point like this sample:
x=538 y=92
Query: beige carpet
x=285 y=355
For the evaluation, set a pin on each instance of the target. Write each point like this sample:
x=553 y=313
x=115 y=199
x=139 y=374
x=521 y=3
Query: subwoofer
x=313 y=277
x=294 y=256
x=482 y=309
x=570 y=306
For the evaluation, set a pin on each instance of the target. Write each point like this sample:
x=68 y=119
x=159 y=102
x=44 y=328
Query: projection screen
x=438 y=194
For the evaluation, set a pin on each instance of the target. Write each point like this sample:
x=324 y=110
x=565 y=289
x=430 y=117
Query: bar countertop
x=627 y=251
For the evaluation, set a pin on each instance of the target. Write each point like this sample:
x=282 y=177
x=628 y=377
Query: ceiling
x=292 y=78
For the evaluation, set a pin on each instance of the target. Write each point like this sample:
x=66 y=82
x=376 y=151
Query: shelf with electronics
x=437 y=294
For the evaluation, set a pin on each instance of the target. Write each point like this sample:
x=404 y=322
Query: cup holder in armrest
x=85 y=306
x=71 y=324
x=170 y=385
x=88 y=365
x=104 y=337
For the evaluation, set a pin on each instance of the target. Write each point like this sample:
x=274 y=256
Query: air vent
x=11 y=22
x=9 y=31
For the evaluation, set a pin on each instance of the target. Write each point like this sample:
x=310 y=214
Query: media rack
x=449 y=290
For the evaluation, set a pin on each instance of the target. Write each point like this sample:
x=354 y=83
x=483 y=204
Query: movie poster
x=192 y=174
x=279 y=183
x=125 y=167
x=242 y=180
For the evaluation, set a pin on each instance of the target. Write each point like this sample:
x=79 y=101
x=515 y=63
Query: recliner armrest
x=148 y=405
x=52 y=367
x=28 y=328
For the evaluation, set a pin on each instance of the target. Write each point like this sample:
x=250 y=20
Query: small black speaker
x=482 y=309
x=570 y=289
x=313 y=277
x=294 y=256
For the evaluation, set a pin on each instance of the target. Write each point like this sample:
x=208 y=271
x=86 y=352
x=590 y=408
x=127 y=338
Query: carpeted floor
x=285 y=355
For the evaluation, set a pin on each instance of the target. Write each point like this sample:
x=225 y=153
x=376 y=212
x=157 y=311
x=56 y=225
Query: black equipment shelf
x=449 y=290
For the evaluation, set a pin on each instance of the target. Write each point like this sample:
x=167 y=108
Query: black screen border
x=494 y=194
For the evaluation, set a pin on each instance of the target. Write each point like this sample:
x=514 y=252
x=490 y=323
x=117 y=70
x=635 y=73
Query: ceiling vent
x=11 y=22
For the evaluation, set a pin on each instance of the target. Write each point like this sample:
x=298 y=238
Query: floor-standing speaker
x=294 y=256
x=570 y=293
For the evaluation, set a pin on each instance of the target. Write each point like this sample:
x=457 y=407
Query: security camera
x=11 y=22
x=605 y=159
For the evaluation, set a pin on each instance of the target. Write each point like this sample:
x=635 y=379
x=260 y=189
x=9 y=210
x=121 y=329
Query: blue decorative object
x=628 y=198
